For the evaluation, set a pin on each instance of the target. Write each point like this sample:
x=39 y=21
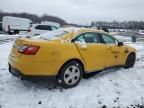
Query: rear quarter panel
x=49 y=59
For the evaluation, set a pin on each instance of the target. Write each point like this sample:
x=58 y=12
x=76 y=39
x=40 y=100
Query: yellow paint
x=53 y=54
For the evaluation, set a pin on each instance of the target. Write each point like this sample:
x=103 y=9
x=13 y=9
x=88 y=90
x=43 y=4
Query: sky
x=79 y=11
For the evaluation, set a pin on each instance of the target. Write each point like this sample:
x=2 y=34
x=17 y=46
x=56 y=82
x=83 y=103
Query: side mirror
x=120 y=43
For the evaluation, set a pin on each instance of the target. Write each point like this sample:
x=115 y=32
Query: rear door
x=91 y=50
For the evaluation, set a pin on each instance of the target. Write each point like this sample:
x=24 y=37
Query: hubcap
x=71 y=75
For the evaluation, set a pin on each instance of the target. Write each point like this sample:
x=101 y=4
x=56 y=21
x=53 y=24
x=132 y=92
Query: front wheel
x=70 y=74
x=130 y=61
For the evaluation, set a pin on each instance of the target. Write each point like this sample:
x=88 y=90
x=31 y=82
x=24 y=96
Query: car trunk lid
x=16 y=46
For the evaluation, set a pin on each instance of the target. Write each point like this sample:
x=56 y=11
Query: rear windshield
x=50 y=35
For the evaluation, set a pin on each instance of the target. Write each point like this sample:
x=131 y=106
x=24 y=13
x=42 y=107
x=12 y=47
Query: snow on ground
x=123 y=39
x=111 y=88
x=4 y=38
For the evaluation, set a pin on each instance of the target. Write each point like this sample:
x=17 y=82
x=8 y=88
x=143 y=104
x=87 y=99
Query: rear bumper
x=18 y=74
x=27 y=66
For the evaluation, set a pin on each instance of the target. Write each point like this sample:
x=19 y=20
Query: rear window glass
x=43 y=27
x=91 y=37
x=52 y=34
x=54 y=28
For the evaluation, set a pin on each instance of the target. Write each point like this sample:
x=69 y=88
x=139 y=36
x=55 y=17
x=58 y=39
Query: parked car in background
x=68 y=54
x=13 y=25
x=38 y=29
x=0 y=26
x=1 y=30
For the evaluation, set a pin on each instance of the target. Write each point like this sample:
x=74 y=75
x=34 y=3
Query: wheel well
x=132 y=53
x=77 y=60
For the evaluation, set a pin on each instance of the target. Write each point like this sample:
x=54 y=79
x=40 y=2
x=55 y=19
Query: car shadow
x=46 y=85
x=53 y=85
x=101 y=73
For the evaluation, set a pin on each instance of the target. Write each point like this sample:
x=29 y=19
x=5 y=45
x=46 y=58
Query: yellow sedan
x=67 y=55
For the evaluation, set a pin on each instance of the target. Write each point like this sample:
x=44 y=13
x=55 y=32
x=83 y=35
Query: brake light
x=29 y=50
x=29 y=30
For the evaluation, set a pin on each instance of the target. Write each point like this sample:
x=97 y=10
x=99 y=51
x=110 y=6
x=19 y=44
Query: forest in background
x=139 y=25
x=35 y=18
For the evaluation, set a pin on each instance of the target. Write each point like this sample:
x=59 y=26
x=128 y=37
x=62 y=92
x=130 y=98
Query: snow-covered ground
x=4 y=38
x=112 y=88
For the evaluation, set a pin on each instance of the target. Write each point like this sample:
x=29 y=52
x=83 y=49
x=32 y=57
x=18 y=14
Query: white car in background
x=38 y=29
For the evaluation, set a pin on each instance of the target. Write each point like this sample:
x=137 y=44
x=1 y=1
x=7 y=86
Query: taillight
x=29 y=30
x=29 y=50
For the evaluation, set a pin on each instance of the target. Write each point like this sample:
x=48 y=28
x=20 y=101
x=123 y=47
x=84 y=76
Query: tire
x=70 y=74
x=10 y=33
x=16 y=31
x=130 y=61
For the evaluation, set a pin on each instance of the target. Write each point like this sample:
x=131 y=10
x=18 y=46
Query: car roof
x=70 y=33
x=82 y=30
x=74 y=32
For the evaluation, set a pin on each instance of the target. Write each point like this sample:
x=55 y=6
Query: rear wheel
x=70 y=74
x=10 y=33
x=130 y=61
x=16 y=31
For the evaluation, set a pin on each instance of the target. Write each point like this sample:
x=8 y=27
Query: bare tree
x=35 y=18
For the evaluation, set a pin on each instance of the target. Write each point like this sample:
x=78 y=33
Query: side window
x=80 y=38
x=43 y=27
x=54 y=28
x=108 y=39
x=91 y=37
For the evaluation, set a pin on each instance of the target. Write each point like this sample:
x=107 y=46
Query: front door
x=113 y=51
